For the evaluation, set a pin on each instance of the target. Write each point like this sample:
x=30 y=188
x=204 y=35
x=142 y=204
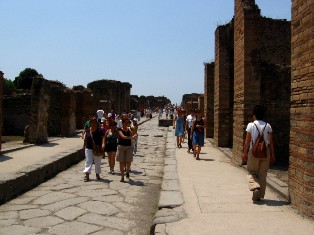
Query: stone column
x=1 y=112
x=301 y=168
x=246 y=89
x=37 y=129
x=223 y=86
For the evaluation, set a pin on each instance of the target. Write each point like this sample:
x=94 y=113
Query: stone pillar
x=1 y=111
x=201 y=105
x=209 y=71
x=245 y=88
x=223 y=86
x=37 y=129
x=301 y=168
x=68 y=118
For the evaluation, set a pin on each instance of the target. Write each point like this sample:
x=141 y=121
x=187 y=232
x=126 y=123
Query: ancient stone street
x=67 y=205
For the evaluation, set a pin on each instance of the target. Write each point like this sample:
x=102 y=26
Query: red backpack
x=259 y=147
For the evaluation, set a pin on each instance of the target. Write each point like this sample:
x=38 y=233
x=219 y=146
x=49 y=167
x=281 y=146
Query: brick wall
x=223 y=107
x=209 y=71
x=261 y=75
x=245 y=88
x=301 y=168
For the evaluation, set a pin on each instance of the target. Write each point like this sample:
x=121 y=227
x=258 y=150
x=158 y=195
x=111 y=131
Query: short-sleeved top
x=97 y=136
x=125 y=142
x=251 y=128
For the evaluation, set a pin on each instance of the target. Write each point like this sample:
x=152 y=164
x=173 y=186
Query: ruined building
x=254 y=58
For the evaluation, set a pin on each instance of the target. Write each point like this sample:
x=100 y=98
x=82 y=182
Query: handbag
x=97 y=150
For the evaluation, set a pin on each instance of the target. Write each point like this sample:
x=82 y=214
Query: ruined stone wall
x=261 y=75
x=190 y=101
x=273 y=65
x=223 y=108
x=245 y=88
x=209 y=71
x=68 y=110
x=83 y=107
x=110 y=94
x=37 y=128
x=16 y=113
x=301 y=168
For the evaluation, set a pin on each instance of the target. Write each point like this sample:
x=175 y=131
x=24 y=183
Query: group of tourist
x=193 y=126
x=112 y=135
x=121 y=135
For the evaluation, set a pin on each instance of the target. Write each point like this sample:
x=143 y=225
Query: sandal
x=86 y=178
x=122 y=180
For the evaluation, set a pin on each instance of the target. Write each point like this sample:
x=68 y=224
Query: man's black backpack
x=259 y=147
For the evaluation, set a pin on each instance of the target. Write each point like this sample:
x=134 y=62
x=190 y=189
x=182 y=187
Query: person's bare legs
x=128 y=165
x=122 y=171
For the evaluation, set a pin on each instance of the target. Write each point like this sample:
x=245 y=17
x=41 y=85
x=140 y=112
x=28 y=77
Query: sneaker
x=109 y=171
x=255 y=196
x=112 y=172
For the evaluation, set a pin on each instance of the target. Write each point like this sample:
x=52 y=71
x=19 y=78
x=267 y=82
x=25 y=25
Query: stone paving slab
x=66 y=204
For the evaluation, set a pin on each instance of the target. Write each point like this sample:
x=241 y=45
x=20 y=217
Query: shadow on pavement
x=270 y=202
x=4 y=158
x=136 y=183
x=49 y=145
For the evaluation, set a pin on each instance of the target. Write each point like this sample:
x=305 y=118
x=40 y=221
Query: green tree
x=25 y=78
x=8 y=87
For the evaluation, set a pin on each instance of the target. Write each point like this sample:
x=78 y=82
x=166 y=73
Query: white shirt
x=100 y=113
x=251 y=128
x=190 y=120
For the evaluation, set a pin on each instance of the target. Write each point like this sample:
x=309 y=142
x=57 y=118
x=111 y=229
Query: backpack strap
x=260 y=133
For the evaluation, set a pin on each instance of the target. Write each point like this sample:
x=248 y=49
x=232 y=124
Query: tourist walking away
x=125 y=155
x=92 y=140
x=258 y=151
x=197 y=134
x=110 y=145
x=189 y=122
x=178 y=125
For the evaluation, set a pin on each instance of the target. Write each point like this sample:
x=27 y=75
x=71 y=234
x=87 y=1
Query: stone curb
x=13 y=184
x=170 y=203
x=278 y=186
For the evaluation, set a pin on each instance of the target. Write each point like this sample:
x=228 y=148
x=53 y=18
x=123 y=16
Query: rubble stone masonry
x=301 y=168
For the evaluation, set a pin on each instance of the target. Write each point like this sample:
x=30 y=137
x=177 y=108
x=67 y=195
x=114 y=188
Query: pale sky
x=157 y=46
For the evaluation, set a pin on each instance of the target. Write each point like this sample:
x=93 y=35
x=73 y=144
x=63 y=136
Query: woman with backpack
x=258 y=151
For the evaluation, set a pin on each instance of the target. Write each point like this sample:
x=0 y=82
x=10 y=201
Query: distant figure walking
x=258 y=167
x=110 y=144
x=178 y=125
x=189 y=123
x=125 y=155
x=197 y=134
x=93 y=135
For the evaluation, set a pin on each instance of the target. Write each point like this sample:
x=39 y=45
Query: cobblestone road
x=67 y=205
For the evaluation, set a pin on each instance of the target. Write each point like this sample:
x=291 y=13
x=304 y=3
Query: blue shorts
x=198 y=138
